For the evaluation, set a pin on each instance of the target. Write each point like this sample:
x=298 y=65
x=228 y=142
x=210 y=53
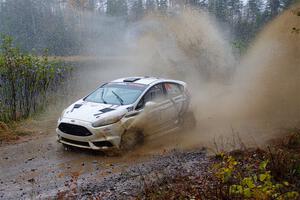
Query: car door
x=158 y=116
x=175 y=93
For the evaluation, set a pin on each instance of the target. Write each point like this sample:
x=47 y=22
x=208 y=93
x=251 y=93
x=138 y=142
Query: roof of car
x=139 y=79
x=146 y=80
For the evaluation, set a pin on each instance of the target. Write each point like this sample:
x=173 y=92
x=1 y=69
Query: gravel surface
x=130 y=183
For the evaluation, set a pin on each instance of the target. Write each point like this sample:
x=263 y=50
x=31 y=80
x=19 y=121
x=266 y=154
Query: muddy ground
x=41 y=168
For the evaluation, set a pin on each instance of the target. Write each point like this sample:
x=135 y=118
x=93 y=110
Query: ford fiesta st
x=119 y=114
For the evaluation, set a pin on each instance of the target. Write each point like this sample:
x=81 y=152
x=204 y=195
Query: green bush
x=254 y=182
x=26 y=81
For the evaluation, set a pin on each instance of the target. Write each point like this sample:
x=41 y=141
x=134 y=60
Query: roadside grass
x=16 y=130
x=271 y=173
x=39 y=123
x=6 y=134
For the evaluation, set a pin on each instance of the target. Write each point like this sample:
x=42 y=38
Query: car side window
x=155 y=93
x=173 y=89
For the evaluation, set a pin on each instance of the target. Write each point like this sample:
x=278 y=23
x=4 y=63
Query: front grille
x=103 y=144
x=73 y=129
x=75 y=142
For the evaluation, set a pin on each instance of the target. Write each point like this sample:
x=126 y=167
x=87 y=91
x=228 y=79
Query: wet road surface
x=42 y=168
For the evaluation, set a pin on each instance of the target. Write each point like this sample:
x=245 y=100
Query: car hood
x=91 y=112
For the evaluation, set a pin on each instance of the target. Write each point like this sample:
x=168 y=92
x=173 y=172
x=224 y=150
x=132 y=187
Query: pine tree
x=254 y=11
x=221 y=11
x=272 y=9
x=150 y=5
x=137 y=10
x=234 y=12
x=162 y=5
x=117 y=7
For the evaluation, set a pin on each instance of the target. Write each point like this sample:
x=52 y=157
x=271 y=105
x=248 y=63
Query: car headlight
x=107 y=121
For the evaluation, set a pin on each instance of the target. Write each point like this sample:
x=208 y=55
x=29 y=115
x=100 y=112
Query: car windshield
x=117 y=93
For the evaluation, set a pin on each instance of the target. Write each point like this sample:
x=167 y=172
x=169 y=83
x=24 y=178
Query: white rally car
x=119 y=114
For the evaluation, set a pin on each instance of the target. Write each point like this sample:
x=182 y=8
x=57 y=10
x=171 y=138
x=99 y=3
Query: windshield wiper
x=119 y=98
x=102 y=98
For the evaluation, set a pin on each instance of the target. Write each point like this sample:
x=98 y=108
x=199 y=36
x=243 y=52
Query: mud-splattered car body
x=146 y=105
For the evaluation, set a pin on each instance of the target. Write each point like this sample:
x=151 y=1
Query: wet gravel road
x=41 y=169
x=130 y=184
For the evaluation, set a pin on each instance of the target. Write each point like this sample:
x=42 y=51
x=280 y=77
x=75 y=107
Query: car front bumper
x=101 y=138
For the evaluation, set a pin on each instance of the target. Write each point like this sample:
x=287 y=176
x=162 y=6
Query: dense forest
x=64 y=26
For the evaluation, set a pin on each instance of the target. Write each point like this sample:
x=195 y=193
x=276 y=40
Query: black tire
x=130 y=139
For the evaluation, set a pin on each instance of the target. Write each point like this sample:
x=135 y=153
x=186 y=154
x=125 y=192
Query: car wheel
x=188 y=121
x=130 y=139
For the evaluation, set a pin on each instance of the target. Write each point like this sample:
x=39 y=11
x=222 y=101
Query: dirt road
x=41 y=168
